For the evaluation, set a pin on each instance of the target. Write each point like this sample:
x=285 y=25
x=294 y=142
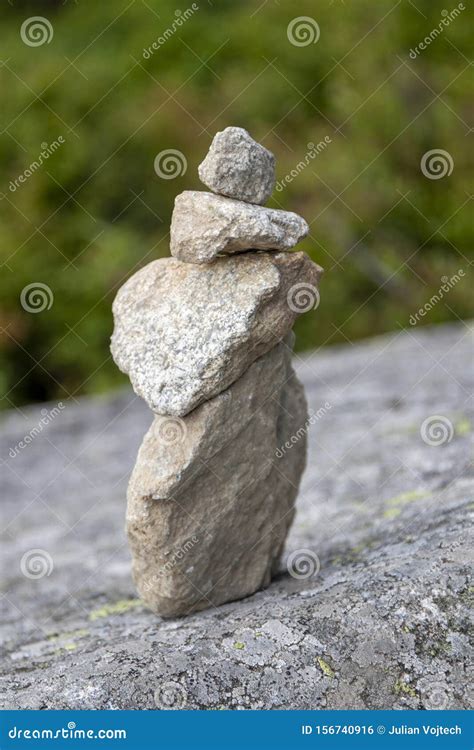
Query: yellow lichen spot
x=66 y=641
x=117 y=608
x=463 y=427
x=408 y=497
x=396 y=503
x=239 y=645
x=402 y=687
x=325 y=668
x=80 y=633
x=392 y=512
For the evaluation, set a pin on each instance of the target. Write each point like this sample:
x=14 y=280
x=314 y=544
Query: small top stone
x=238 y=167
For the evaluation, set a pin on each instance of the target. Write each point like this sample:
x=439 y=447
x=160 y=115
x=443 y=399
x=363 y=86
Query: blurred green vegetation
x=96 y=211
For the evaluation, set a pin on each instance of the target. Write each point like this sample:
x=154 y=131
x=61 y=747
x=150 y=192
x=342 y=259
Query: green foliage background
x=97 y=211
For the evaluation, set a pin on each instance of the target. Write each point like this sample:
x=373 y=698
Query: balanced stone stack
x=205 y=337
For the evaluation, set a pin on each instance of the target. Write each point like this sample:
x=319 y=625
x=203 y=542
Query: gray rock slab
x=183 y=332
x=384 y=623
x=211 y=496
x=239 y=167
x=204 y=226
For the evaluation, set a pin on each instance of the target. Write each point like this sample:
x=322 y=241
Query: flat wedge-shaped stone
x=206 y=225
x=185 y=332
x=239 y=167
x=185 y=444
x=219 y=533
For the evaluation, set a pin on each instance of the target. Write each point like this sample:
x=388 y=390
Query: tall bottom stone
x=211 y=497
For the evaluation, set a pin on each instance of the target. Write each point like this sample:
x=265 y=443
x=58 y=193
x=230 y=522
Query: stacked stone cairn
x=205 y=337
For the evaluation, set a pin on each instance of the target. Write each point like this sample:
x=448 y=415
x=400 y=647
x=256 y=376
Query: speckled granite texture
x=383 y=624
